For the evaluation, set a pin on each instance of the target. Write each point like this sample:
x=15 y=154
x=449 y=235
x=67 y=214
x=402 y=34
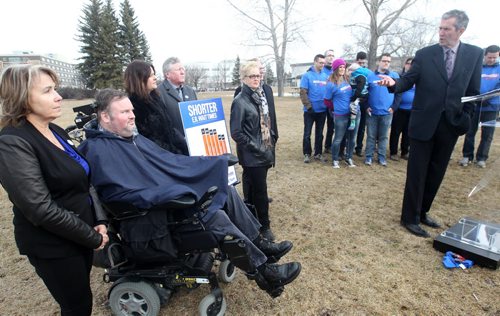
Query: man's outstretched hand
x=386 y=81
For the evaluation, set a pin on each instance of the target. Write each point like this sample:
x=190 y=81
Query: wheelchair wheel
x=208 y=306
x=227 y=271
x=134 y=298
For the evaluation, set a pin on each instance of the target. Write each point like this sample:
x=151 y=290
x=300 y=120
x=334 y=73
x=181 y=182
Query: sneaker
x=359 y=153
x=273 y=251
x=320 y=158
x=350 y=163
x=382 y=161
x=481 y=164
x=368 y=161
x=336 y=164
x=280 y=274
x=307 y=158
x=464 y=162
x=394 y=157
x=404 y=156
x=267 y=233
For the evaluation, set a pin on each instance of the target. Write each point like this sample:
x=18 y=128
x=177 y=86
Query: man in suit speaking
x=443 y=74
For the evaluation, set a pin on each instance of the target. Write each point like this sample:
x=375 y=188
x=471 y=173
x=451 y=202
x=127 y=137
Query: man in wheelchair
x=127 y=167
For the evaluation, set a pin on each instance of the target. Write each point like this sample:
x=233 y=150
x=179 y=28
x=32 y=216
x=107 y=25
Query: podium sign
x=476 y=240
x=205 y=130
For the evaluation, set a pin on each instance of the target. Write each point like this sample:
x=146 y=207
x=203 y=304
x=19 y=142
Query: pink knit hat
x=337 y=63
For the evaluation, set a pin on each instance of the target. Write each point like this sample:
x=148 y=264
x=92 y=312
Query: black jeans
x=68 y=280
x=486 y=135
x=399 y=126
x=310 y=119
x=329 y=130
x=363 y=105
x=255 y=184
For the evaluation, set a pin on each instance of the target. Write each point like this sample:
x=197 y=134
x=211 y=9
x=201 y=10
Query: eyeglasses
x=253 y=76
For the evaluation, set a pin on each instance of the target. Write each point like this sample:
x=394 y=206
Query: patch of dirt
x=344 y=224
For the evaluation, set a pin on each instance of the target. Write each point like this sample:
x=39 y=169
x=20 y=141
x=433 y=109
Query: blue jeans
x=317 y=119
x=377 y=133
x=486 y=135
x=341 y=125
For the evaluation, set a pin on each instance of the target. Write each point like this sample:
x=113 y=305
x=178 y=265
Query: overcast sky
x=210 y=30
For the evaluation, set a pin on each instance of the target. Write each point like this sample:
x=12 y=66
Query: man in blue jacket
x=381 y=105
x=312 y=90
x=127 y=167
x=486 y=112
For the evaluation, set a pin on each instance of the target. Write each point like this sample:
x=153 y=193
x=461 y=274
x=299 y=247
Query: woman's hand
x=101 y=229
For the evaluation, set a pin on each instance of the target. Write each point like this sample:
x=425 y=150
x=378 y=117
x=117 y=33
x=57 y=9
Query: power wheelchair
x=140 y=284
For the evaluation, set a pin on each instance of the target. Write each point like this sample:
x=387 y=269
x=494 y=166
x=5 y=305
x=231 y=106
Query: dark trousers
x=399 y=126
x=363 y=105
x=486 y=135
x=255 y=185
x=329 y=130
x=68 y=281
x=427 y=165
x=310 y=119
x=221 y=226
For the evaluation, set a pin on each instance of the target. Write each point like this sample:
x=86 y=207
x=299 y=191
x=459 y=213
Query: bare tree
x=194 y=75
x=274 y=28
x=383 y=14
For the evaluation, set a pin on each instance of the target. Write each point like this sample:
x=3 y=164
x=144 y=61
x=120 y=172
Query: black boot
x=272 y=278
x=273 y=251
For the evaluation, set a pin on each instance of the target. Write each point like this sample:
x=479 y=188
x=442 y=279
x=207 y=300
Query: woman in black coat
x=57 y=219
x=151 y=117
x=251 y=129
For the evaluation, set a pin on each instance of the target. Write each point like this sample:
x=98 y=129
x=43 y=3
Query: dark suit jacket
x=268 y=91
x=170 y=98
x=436 y=93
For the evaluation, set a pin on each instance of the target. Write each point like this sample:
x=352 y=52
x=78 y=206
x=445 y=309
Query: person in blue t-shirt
x=401 y=120
x=486 y=112
x=338 y=98
x=312 y=90
x=381 y=105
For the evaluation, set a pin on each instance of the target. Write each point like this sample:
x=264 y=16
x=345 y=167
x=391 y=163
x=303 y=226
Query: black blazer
x=170 y=97
x=53 y=216
x=436 y=93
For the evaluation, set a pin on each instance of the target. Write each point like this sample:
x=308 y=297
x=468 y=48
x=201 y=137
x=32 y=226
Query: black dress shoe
x=416 y=230
x=427 y=221
x=273 y=251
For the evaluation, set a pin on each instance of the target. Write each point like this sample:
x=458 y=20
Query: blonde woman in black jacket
x=57 y=223
x=251 y=129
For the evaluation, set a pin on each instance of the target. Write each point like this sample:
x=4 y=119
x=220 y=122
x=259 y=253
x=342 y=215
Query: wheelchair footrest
x=237 y=252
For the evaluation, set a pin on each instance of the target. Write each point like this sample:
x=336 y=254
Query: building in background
x=69 y=75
